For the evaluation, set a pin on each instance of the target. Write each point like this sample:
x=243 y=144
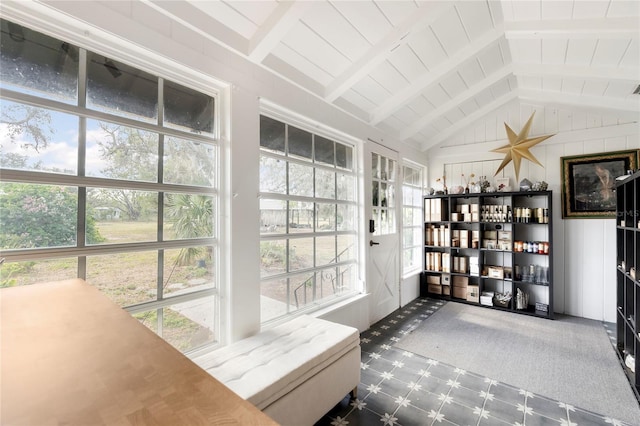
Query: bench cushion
x=269 y=364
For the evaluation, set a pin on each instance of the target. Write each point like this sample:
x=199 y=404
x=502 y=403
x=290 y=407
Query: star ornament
x=518 y=147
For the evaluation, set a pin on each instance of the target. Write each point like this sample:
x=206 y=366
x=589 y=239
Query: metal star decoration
x=518 y=147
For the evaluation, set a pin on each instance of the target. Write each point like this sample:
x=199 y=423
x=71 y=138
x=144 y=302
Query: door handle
x=373 y=243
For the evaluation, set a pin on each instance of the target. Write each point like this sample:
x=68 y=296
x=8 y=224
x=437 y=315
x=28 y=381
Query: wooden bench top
x=71 y=356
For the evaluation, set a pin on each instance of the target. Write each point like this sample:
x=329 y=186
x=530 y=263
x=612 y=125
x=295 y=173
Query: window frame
x=288 y=118
x=81 y=251
x=417 y=209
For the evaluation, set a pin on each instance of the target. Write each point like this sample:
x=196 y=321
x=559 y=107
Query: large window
x=109 y=173
x=308 y=219
x=412 y=218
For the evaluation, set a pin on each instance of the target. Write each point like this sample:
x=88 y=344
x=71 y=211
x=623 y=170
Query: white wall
x=584 y=249
x=133 y=32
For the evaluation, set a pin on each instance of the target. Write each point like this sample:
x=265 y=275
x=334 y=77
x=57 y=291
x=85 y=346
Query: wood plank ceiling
x=426 y=70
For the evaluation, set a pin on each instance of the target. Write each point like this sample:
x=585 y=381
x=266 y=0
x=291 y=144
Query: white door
x=383 y=244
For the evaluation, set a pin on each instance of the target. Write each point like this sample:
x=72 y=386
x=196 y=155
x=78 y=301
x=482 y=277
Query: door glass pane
x=33 y=63
x=121 y=152
x=33 y=216
x=189 y=163
x=38 y=139
x=375 y=166
x=187 y=109
x=120 y=89
x=375 y=193
x=299 y=143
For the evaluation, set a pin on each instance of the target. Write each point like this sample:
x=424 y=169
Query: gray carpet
x=568 y=359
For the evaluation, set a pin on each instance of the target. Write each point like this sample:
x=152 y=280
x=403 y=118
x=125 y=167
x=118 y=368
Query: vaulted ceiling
x=423 y=71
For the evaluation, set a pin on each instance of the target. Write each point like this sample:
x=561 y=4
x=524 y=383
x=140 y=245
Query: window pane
x=325 y=250
x=127 y=278
x=346 y=217
x=185 y=326
x=273 y=257
x=274 y=298
x=190 y=325
x=187 y=109
x=326 y=217
x=121 y=152
x=325 y=184
x=299 y=143
x=300 y=180
x=375 y=166
x=302 y=289
x=36 y=271
x=188 y=216
x=375 y=193
x=300 y=253
x=273 y=216
x=344 y=156
x=273 y=175
x=325 y=283
x=189 y=163
x=38 y=139
x=271 y=134
x=187 y=270
x=300 y=217
x=33 y=63
x=346 y=187
x=324 y=150
x=34 y=216
x=346 y=280
x=391 y=170
x=346 y=247
x=122 y=215
x=122 y=90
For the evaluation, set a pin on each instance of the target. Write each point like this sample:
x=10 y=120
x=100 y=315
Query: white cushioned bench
x=294 y=372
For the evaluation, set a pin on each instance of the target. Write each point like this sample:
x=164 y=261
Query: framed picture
x=588 y=183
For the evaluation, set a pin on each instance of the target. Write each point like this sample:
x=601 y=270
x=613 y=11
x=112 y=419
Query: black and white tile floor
x=401 y=388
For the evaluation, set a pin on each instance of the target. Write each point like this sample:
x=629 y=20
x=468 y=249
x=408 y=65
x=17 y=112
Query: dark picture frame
x=588 y=183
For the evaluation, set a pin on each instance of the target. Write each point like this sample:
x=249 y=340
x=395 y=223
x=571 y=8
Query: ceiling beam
x=414 y=90
x=576 y=72
x=470 y=119
x=603 y=103
x=275 y=28
x=378 y=53
x=205 y=25
x=444 y=109
x=605 y=28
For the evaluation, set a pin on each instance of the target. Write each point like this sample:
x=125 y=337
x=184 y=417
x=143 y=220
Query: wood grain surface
x=70 y=356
